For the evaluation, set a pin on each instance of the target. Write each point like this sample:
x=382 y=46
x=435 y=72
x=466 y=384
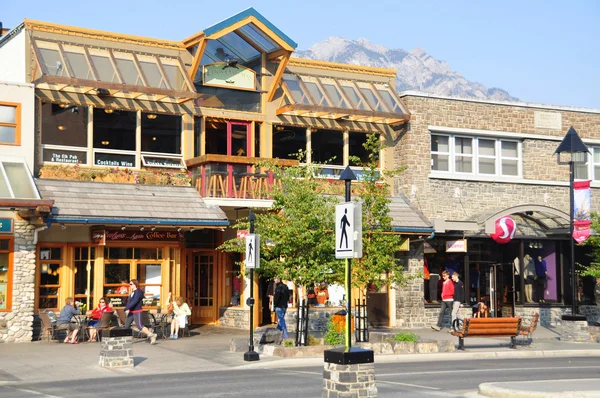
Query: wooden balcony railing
x=222 y=176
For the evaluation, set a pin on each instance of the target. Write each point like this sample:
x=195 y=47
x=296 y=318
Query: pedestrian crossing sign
x=348 y=230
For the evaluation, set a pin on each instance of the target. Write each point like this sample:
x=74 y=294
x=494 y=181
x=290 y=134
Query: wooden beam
x=197 y=59
x=278 y=74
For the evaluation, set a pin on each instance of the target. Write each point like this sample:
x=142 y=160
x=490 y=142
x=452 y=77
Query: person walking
x=280 y=302
x=134 y=308
x=447 y=299
x=459 y=296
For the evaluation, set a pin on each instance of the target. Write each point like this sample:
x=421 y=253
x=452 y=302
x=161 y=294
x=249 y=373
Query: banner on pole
x=581 y=210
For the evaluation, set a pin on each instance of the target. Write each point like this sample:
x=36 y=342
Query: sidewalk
x=208 y=349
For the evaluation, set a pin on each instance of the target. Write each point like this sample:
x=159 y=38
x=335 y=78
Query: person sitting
x=103 y=306
x=123 y=289
x=482 y=311
x=63 y=322
x=180 y=313
x=235 y=299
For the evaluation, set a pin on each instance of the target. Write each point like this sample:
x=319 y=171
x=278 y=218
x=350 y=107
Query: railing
x=362 y=322
x=222 y=176
x=302 y=324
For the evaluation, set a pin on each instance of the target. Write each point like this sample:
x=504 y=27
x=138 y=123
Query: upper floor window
x=590 y=170
x=10 y=117
x=475 y=155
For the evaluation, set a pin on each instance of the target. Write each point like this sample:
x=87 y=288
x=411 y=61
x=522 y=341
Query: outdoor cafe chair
x=105 y=323
x=48 y=328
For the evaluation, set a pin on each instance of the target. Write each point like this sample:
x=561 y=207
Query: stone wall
x=438 y=198
x=550 y=317
x=19 y=322
x=318 y=317
x=410 y=307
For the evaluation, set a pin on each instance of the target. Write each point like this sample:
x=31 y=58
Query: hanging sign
x=506 y=228
x=581 y=211
x=456 y=246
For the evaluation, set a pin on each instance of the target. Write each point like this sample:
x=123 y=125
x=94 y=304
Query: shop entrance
x=202 y=277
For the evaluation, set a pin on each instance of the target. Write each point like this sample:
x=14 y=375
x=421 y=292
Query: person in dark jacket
x=459 y=295
x=134 y=308
x=280 y=302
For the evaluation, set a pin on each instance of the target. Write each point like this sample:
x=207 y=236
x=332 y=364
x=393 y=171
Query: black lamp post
x=251 y=355
x=348 y=176
x=577 y=151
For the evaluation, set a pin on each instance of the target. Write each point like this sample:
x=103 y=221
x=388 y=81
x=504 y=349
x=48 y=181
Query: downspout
x=37 y=231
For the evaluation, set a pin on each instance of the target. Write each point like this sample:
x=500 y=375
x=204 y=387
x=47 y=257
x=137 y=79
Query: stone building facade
x=447 y=181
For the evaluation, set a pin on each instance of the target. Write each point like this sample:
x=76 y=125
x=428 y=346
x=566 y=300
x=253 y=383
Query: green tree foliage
x=297 y=240
x=594 y=243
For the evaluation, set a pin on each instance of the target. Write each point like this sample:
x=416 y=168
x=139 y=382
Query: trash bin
x=339 y=320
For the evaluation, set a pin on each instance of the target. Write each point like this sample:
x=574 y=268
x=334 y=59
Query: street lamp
x=577 y=153
x=251 y=355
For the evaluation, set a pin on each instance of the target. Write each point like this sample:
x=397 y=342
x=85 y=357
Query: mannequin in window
x=541 y=274
x=529 y=269
x=517 y=282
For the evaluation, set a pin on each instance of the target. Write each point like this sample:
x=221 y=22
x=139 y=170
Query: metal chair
x=47 y=327
x=186 y=329
x=105 y=323
x=121 y=316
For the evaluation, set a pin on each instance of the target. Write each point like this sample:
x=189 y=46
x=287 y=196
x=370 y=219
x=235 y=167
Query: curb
x=496 y=390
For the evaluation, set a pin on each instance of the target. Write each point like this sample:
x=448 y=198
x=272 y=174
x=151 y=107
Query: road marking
x=407 y=384
x=36 y=393
x=301 y=372
x=484 y=370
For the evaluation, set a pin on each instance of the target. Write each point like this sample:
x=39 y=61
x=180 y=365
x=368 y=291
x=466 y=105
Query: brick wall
x=460 y=200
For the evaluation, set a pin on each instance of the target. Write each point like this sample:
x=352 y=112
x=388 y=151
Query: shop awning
x=405 y=218
x=80 y=202
x=336 y=98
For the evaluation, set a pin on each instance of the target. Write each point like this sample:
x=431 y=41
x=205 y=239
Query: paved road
x=417 y=379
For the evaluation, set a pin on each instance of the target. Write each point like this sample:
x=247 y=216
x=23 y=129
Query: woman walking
x=134 y=308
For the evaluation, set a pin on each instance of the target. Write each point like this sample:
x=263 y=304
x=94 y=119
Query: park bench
x=527 y=330
x=488 y=327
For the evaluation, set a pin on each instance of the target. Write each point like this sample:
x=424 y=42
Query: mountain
x=417 y=70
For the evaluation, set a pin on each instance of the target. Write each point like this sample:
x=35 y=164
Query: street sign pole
x=251 y=258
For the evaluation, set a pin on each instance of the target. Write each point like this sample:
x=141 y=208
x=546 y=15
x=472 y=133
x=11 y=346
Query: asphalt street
x=415 y=379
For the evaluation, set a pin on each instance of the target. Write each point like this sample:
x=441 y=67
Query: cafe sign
x=103 y=236
x=223 y=74
x=456 y=246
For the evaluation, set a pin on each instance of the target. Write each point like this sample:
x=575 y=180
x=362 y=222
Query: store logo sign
x=506 y=228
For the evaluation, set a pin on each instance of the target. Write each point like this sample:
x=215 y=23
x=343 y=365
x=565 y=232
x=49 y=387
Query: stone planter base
x=349 y=380
x=116 y=352
x=575 y=331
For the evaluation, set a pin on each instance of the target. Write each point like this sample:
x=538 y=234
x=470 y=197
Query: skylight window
x=16 y=181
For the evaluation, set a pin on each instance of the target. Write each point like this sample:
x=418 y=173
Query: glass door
x=239 y=143
x=203 y=287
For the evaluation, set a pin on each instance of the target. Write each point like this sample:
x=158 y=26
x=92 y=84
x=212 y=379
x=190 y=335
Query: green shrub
x=312 y=340
x=333 y=337
x=406 y=336
x=289 y=343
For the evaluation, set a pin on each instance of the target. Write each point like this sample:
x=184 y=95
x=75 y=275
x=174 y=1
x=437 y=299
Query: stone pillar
x=575 y=331
x=354 y=380
x=16 y=326
x=116 y=348
x=410 y=304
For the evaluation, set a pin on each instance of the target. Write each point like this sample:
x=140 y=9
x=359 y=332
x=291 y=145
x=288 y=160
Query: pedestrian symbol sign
x=252 y=251
x=348 y=230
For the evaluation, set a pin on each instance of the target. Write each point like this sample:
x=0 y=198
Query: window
x=10 y=123
x=50 y=260
x=6 y=268
x=16 y=181
x=150 y=278
x=64 y=133
x=83 y=256
x=161 y=133
x=288 y=141
x=475 y=155
x=327 y=147
x=114 y=138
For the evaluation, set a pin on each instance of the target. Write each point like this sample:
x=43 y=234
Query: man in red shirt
x=447 y=299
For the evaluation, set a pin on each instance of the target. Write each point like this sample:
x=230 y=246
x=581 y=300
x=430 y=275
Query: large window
x=114 y=138
x=64 y=133
x=161 y=133
x=50 y=266
x=288 y=141
x=84 y=256
x=6 y=272
x=10 y=124
x=475 y=155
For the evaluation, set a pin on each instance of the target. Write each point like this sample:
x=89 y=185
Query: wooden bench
x=488 y=327
x=528 y=330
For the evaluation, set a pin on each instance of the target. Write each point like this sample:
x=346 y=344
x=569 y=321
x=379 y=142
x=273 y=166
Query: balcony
x=234 y=177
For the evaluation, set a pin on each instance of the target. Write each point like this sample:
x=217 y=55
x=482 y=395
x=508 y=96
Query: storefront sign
x=116 y=302
x=224 y=74
x=456 y=246
x=505 y=230
x=547 y=120
x=404 y=245
x=114 y=160
x=65 y=157
x=154 y=161
x=581 y=211
x=6 y=225
x=103 y=236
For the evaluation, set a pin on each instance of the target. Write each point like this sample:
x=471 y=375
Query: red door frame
x=248 y=151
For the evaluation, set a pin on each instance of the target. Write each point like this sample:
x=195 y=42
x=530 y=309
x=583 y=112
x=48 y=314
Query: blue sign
x=6 y=225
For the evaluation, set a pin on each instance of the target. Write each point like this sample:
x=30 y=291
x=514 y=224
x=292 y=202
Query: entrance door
x=239 y=143
x=377 y=306
x=203 y=279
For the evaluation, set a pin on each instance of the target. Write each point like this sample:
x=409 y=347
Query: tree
x=594 y=243
x=378 y=265
x=297 y=240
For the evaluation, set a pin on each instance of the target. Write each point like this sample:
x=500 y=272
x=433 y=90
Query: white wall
x=23 y=94
x=12 y=60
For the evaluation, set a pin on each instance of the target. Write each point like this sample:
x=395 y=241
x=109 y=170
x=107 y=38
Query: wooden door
x=203 y=280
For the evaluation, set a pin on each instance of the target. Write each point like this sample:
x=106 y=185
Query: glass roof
x=105 y=65
x=16 y=181
x=335 y=98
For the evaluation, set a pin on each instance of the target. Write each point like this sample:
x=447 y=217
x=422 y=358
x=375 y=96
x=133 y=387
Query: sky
x=545 y=52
